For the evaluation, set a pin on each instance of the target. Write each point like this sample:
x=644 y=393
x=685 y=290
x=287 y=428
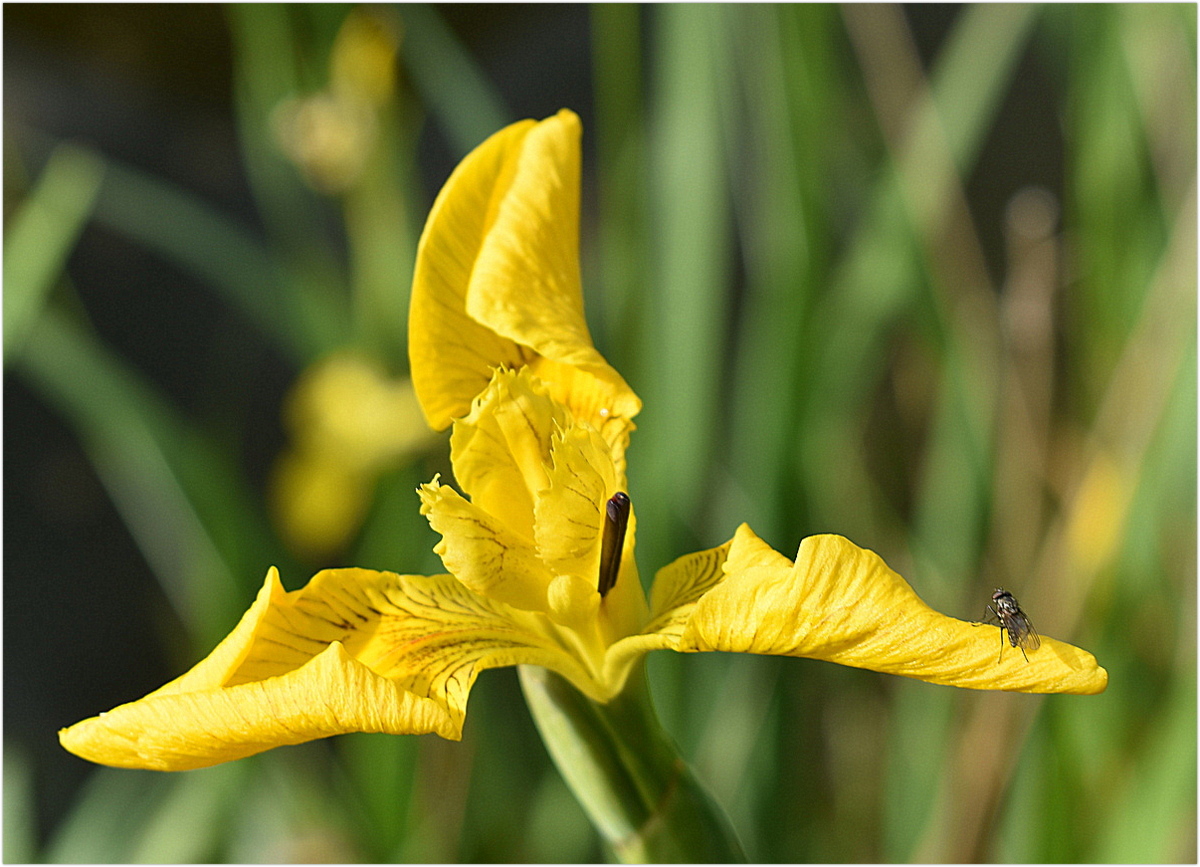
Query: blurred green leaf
x=96 y=833
x=20 y=830
x=451 y=85
x=380 y=775
x=188 y=232
x=188 y=824
x=621 y=248
x=269 y=69
x=41 y=235
x=177 y=494
x=1153 y=819
x=679 y=369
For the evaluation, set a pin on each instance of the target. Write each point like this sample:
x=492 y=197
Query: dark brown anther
x=616 y=520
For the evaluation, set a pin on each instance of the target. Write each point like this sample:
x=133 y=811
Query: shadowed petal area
x=497 y=281
x=355 y=650
x=450 y=354
x=842 y=603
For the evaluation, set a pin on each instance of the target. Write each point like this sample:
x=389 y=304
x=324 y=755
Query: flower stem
x=627 y=773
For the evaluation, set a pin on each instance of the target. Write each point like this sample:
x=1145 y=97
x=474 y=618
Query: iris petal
x=482 y=551
x=501 y=451
x=842 y=603
x=497 y=281
x=355 y=650
x=570 y=511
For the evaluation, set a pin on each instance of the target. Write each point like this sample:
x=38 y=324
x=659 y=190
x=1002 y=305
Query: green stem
x=628 y=774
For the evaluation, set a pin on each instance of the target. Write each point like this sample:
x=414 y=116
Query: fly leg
x=992 y=612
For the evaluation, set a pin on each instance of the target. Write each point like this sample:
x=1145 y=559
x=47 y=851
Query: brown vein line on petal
x=583 y=495
x=599 y=471
x=332 y=711
x=663 y=625
x=491 y=436
x=427 y=599
x=413 y=595
x=342 y=594
x=419 y=644
x=528 y=422
x=298 y=651
x=291 y=617
x=340 y=623
x=449 y=665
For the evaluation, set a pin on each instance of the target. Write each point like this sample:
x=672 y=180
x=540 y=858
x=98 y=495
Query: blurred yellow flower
x=1096 y=527
x=540 y=550
x=348 y=421
x=330 y=134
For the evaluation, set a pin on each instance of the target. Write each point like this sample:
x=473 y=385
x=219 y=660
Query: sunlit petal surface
x=842 y=603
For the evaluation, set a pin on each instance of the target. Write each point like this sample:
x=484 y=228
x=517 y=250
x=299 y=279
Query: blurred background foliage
x=922 y=276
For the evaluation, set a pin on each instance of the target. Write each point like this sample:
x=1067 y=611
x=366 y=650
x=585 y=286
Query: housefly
x=1007 y=614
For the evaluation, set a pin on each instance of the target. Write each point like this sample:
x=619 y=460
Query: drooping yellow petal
x=497 y=281
x=355 y=650
x=435 y=635
x=842 y=603
x=331 y=694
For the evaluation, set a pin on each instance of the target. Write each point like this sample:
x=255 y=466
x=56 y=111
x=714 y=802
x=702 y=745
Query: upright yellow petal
x=842 y=603
x=570 y=513
x=531 y=249
x=451 y=356
x=483 y=552
x=501 y=451
x=497 y=281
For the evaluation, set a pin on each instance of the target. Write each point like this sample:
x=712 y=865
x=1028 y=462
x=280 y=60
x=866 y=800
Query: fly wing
x=1025 y=635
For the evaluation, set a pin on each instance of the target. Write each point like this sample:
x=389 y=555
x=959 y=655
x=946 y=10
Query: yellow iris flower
x=500 y=349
